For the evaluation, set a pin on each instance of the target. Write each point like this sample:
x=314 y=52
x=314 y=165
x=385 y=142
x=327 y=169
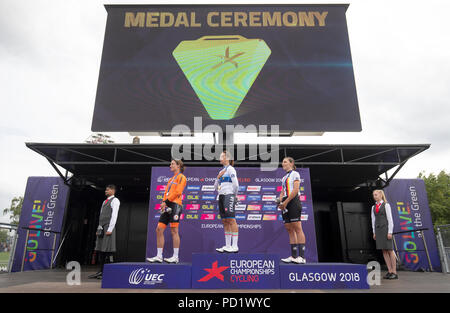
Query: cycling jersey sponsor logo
x=253 y=188
x=208 y=188
x=253 y=207
x=254 y=217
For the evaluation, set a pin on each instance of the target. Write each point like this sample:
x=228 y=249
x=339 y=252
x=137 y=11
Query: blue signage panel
x=146 y=275
x=235 y=271
x=323 y=276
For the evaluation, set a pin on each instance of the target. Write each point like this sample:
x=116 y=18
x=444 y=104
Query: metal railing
x=25 y=248
x=421 y=231
x=8 y=247
x=443 y=243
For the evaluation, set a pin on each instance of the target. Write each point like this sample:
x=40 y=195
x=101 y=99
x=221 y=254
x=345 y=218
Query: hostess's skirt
x=382 y=242
x=107 y=243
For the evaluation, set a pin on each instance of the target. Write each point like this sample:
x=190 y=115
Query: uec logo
x=136 y=276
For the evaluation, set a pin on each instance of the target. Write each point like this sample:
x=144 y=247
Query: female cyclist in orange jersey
x=170 y=213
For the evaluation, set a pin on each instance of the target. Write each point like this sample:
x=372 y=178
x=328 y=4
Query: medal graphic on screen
x=221 y=70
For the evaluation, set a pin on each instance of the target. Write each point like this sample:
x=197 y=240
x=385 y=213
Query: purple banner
x=261 y=229
x=410 y=211
x=43 y=209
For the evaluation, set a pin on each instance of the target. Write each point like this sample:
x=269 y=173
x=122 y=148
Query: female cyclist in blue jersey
x=227 y=186
x=291 y=209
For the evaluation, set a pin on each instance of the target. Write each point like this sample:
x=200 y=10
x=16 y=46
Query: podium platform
x=147 y=275
x=235 y=271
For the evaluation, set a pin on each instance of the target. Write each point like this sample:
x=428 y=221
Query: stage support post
x=426 y=250
x=24 y=250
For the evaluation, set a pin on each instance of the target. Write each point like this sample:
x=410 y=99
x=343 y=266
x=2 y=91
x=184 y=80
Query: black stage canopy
x=331 y=166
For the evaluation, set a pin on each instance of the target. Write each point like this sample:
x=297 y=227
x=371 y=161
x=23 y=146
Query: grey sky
x=50 y=55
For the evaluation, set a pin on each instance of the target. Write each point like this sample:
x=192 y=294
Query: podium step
x=147 y=275
x=323 y=276
x=235 y=271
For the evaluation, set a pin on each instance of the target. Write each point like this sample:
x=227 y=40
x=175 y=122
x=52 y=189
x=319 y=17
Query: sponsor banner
x=43 y=209
x=272 y=207
x=253 y=207
x=208 y=188
x=242 y=197
x=253 y=198
x=192 y=207
x=254 y=217
x=410 y=211
x=270 y=217
x=257 y=214
x=146 y=275
x=235 y=271
x=271 y=198
x=253 y=188
x=323 y=276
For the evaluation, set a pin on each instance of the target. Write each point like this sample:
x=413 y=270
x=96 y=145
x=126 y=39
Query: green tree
x=14 y=210
x=438 y=190
x=3 y=236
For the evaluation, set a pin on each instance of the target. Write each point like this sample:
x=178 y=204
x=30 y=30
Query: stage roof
x=330 y=165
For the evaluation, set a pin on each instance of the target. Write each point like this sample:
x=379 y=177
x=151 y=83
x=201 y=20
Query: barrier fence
x=443 y=242
x=7 y=246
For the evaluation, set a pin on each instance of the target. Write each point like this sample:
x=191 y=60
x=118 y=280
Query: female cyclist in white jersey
x=291 y=209
x=227 y=185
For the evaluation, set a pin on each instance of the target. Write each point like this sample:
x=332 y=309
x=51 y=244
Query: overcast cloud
x=50 y=54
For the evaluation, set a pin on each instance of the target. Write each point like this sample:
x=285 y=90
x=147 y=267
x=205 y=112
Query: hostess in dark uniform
x=105 y=244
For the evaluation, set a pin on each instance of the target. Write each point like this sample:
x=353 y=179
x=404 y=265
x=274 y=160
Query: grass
x=4 y=257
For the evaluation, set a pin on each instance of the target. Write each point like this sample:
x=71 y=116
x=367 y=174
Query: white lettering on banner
x=208 y=188
x=254 y=217
x=244 y=226
x=321 y=277
x=415 y=207
x=51 y=206
x=143 y=275
x=252 y=267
